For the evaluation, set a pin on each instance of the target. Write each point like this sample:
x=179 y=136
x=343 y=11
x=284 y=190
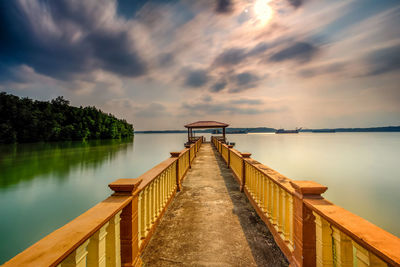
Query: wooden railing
x=310 y=230
x=115 y=231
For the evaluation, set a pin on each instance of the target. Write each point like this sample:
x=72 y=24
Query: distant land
x=272 y=130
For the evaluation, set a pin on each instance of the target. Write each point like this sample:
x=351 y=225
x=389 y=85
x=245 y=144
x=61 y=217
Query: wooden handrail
x=151 y=174
x=56 y=246
x=375 y=239
x=369 y=244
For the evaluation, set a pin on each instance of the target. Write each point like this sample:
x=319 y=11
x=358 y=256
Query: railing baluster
x=275 y=204
x=287 y=221
x=77 y=258
x=342 y=249
x=323 y=241
x=113 y=246
x=142 y=216
x=265 y=196
x=281 y=209
x=362 y=257
x=97 y=248
x=270 y=198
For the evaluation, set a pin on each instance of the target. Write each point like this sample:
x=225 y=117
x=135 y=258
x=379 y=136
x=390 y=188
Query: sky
x=251 y=63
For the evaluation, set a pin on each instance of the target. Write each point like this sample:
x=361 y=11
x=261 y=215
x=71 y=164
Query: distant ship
x=283 y=131
x=324 y=131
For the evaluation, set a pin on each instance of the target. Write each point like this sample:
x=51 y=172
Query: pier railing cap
x=308 y=188
x=230 y=146
x=175 y=154
x=245 y=155
x=187 y=145
x=126 y=185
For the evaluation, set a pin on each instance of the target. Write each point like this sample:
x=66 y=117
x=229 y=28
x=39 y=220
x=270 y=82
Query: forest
x=25 y=120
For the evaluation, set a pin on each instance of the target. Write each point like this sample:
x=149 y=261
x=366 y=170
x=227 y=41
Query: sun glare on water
x=263 y=11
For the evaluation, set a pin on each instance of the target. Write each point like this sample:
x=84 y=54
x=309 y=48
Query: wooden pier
x=211 y=205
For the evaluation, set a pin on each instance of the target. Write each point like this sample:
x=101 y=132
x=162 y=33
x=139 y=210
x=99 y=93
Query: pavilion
x=205 y=125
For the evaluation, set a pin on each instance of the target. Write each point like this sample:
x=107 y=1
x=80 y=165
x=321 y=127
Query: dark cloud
x=244 y=81
x=296 y=3
x=235 y=56
x=218 y=86
x=224 y=6
x=384 y=60
x=300 y=51
x=73 y=39
x=246 y=78
x=230 y=57
x=196 y=78
x=258 y=49
x=247 y=101
x=114 y=53
x=166 y=59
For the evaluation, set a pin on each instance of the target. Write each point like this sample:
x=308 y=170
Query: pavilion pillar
x=188 y=135
x=223 y=134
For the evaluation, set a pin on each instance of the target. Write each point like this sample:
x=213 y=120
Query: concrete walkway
x=211 y=223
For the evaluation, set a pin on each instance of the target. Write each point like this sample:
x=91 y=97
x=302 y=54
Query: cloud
x=196 y=78
x=232 y=56
x=299 y=51
x=296 y=3
x=147 y=110
x=218 y=86
x=244 y=81
x=224 y=6
x=152 y=110
x=200 y=107
x=166 y=59
x=64 y=38
x=235 y=56
x=331 y=68
x=247 y=101
x=384 y=60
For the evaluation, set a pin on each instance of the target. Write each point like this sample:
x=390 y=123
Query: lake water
x=43 y=186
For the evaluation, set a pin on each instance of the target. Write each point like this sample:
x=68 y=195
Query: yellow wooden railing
x=115 y=231
x=310 y=230
x=225 y=152
x=183 y=163
x=236 y=163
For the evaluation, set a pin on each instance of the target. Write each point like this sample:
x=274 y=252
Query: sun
x=263 y=11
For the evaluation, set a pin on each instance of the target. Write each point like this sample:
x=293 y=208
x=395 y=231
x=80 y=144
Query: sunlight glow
x=263 y=11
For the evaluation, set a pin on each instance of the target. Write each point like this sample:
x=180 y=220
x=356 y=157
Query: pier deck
x=211 y=223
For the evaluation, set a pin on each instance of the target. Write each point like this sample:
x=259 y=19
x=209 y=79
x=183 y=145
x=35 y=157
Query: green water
x=43 y=186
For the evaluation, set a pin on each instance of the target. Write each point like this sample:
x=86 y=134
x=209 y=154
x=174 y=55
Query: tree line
x=26 y=120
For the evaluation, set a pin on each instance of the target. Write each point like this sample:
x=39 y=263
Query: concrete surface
x=211 y=223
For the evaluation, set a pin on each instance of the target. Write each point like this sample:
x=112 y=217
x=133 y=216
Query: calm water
x=43 y=186
x=361 y=170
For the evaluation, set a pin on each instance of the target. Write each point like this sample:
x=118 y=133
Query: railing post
x=229 y=155
x=190 y=164
x=178 y=183
x=304 y=233
x=244 y=157
x=129 y=230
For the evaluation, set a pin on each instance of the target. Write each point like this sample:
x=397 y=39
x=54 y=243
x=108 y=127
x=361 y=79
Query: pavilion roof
x=206 y=124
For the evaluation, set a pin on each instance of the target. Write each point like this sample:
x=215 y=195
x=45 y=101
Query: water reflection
x=43 y=186
x=26 y=161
